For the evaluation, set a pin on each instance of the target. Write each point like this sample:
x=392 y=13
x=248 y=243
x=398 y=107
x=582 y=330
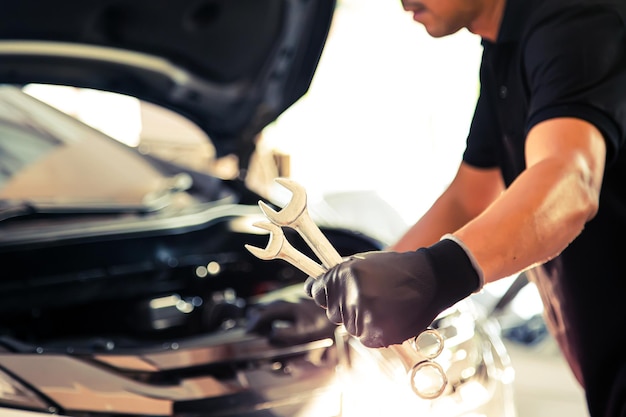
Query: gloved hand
x=290 y=323
x=385 y=298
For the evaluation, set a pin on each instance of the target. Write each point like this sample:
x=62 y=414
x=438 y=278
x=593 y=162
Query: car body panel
x=231 y=66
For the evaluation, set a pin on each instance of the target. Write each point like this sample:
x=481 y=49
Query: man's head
x=445 y=17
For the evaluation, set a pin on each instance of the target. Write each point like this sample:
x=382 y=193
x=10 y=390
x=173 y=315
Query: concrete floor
x=544 y=385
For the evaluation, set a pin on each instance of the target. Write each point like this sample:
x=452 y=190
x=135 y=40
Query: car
x=126 y=288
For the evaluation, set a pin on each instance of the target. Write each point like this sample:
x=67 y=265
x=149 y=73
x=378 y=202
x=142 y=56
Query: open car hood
x=231 y=66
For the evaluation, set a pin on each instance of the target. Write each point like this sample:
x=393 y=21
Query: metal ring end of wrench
x=420 y=366
x=439 y=343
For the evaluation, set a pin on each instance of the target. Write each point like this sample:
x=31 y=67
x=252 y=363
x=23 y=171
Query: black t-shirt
x=567 y=58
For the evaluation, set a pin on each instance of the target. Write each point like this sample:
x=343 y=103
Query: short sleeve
x=576 y=67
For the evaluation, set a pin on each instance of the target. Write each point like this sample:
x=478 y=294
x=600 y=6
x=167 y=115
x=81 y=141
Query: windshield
x=49 y=158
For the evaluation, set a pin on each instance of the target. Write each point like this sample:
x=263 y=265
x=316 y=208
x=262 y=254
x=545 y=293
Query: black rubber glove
x=290 y=323
x=385 y=298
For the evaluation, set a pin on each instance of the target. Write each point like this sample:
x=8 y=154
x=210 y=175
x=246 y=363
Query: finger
x=318 y=293
x=308 y=284
x=333 y=306
x=373 y=342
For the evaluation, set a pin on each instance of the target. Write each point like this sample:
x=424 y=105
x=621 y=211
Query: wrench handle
x=302 y=262
x=314 y=237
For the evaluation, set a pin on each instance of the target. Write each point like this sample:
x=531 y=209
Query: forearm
x=541 y=212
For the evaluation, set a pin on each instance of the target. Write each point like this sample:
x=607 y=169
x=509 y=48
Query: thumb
x=315 y=289
x=308 y=286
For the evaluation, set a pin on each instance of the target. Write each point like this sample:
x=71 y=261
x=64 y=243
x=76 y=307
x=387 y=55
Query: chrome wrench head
x=278 y=247
x=293 y=210
x=274 y=245
x=296 y=216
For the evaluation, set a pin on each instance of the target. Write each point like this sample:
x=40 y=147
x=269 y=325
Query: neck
x=487 y=24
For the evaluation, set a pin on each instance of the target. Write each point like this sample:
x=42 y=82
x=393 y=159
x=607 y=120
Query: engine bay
x=149 y=287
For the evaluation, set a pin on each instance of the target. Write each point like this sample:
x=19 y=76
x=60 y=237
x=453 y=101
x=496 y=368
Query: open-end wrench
x=296 y=216
x=278 y=247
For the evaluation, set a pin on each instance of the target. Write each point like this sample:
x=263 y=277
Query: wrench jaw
x=279 y=248
x=268 y=212
x=259 y=253
x=296 y=216
x=274 y=245
x=293 y=210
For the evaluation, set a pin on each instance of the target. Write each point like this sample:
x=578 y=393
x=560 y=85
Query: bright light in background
x=388 y=110
x=528 y=302
x=116 y=115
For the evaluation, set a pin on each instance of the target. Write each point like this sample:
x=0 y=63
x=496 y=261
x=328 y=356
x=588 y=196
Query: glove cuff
x=456 y=275
x=479 y=270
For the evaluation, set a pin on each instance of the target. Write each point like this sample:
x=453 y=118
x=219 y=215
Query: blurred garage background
x=388 y=106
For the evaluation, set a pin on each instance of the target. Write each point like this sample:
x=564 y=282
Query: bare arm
x=547 y=206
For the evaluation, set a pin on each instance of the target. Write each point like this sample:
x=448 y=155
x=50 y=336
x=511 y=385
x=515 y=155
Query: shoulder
x=559 y=16
x=573 y=58
x=575 y=29
x=561 y=11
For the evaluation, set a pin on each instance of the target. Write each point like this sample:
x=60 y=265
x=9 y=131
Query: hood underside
x=231 y=66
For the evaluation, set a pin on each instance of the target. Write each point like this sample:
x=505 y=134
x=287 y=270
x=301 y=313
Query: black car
x=125 y=287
